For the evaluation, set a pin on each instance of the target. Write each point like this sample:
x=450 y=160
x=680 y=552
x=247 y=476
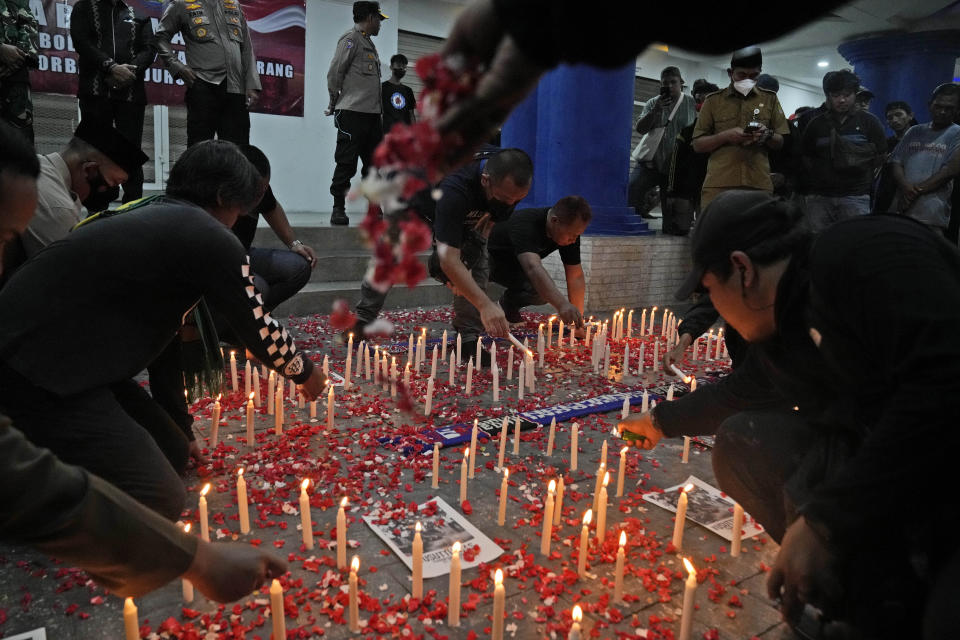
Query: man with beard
x=85 y=174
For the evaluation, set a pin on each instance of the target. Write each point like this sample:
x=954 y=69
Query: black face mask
x=99 y=200
x=498 y=210
x=399 y=73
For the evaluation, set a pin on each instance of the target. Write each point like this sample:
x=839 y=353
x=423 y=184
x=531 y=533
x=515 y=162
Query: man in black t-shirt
x=518 y=246
x=399 y=104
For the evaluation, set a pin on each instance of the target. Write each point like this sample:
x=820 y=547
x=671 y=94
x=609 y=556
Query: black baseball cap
x=112 y=144
x=735 y=221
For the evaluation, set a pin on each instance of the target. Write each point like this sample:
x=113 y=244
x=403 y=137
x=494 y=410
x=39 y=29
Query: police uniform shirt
x=217 y=41
x=353 y=80
x=736 y=165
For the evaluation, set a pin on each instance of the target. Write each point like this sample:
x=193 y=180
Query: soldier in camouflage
x=18 y=54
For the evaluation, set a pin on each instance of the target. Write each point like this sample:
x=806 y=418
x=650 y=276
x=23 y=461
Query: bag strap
x=675 y=107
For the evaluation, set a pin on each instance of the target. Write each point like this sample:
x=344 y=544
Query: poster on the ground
x=277 y=29
x=442 y=525
x=707 y=506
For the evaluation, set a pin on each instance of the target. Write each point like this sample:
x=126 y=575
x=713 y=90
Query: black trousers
x=211 y=111
x=92 y=430
x=358 y=135
x=125 y=117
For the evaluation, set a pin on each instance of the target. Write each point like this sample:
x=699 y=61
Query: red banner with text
x=277 y=28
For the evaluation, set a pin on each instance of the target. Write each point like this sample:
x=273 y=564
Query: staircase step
x=322 y=239
x=318 y=297
x=342 y=265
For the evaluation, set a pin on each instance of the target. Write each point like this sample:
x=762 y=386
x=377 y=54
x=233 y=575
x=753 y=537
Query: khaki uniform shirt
x=58 y=208
x=732 y=166
x=217 y=39
x=354 y=76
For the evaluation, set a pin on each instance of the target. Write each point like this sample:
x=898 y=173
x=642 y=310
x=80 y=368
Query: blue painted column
x=577 y=130
x=904 y=66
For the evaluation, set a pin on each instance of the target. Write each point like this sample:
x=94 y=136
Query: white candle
x=278 y=414
x=330 y=406
x=131 y=624
x=577 y=616
x=204 y=525
x=547 y=532
x=521 y=379
x=621 y=471
x=584 y=537
x=560 y=335
x=603 y=453
x=453 y=598
x=428 y=401
x=366 y=361
x=354 y=603
x=689 y=595
x=376 y=364
x=293 y=390
x=551 y=435
x=618 y=572
x=630 y=324
x=670 y=393
x=186 y=585
x=313 y=409
x=645 y=402
x=550 y=331
x=681 y=517
x=433 y=363
x=653 y=318
x=463 y=475
x=473 y=448
x=443 y=346
x=516 y=435
x=417 y=563
x=306 y=521
x=215 y=424
x=510 y=363
x=540 y=344
x=347 y=368
x=242 y=503
x=606 y=361
x=469 y=386
x=410 y=356
x=495 y=374
x=503 y=442
x=602 y=509
x=625 y=409
x=498 y=606
x=459 y=347
x=693 y=383
x=406 y=376
x=737 y=530
x=709 y=352
x=435 y=481
x=233 y=371
x=531 y=373
x=574 y=437
x=257 y=399
x=452 y=371
x=558 y=505
x=477 y=359
x=602 y=469
x=640 y=360
x=342 y=535
x=643 y=322
x=276 y=610
x=626 y=358
x=686 y=450
x=247 y=378
x=502 y=510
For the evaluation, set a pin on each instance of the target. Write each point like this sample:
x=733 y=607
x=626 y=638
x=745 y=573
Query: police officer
x=354 y=85
x=221 y=71
x=737 y=126
x=18 y=53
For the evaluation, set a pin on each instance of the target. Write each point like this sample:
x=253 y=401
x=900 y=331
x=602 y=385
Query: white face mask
x=744 y=86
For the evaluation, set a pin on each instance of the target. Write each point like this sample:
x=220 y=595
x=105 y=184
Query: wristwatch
x=295 y=244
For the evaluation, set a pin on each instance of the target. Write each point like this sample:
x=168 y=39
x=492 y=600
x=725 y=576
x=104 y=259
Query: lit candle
x=603 y=453
x=643 y=322
x=693 y=383
x=502 y=511
x=596 y=487
x=242 y=506
x=204 y=526
x=459 y=347
x=653 y=318
x=503 y=442
x=247 y=378
x=453 y=599
x=330 y=408
x=473 y=448
x=233 y=371
x=428 y=401
x=531 y=372
x=498 y=605
x=584 y=537
x=271 y=392
x=410 y=356
x=354 y=596
x=602 y=509
x=551 y=435
x=342 y=535
x=516 y=435
x=433 y=362
x=737 y=530
x=630 y=324
x=510 y=363
x=547 y=532
x=577 y=616
x=435 y=481
x=463 y=475
x=443 y=346
x=621 y=470
x=215 y=424
x=560 y=335
x=469 y=386
x=131 y=625
x=574 y=437
x=681 y=517
x=709 y=354
x=306 y=522
x=186 y=585
x=686 y=450
x=452 y=370
x=550 y=331
x=618 y=572
x=558 y=505
x=689 y=595
x=376 y=364
x=417 y=563
x=406 y=376
x=276 y=610
x=477 y=359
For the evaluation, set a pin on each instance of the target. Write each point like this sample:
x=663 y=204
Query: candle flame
x=687 y=379
x=689 y=566
x=456 y=547
x=251 y=397
x=688 y=487
x=623 y=538
x=351 y=335
x=587 y=517
x=506 y=473
x=552 y=318
x=186 y=528
x=304 y=484
x=206 y=488
x=606 y=478
x=498 y=577
x=355 y=564
x=240 y=472
x=418 y=528
x=219 y=395
x=553 y=486
x=232 y=353
x=624 y=450
x=577 y=614
x=343 y=502
x=466 y=452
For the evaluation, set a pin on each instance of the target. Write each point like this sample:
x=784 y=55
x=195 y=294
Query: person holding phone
x=670 y=111
x=737 y=126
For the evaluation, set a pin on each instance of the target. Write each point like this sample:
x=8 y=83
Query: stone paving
x=38 y=592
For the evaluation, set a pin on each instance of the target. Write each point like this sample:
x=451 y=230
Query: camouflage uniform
x=18 y=27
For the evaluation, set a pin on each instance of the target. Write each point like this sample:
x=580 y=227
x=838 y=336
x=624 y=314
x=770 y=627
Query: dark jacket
x=884 y=294
x=105 y=33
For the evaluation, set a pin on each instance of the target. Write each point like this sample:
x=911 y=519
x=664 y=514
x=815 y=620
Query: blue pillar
x=904 y=66
x=577 y=130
